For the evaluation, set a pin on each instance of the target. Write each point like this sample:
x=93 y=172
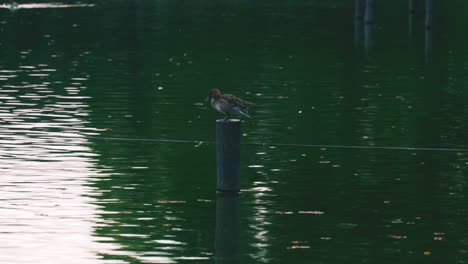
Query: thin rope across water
x=200 y=142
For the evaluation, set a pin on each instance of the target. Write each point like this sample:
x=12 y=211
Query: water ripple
x=14 y=6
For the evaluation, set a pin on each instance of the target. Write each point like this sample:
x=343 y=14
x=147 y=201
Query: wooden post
x=369 y=12
x=228 y=136
x=227 y=230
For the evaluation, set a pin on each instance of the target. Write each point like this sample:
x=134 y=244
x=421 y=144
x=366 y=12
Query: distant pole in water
x=228 y=138
x=429 y=14
x=429 y=23
x=413 y=6
x=358 y=9
x=369 y=12
x=412 y=9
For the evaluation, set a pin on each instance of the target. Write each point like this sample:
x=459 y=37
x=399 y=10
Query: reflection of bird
x=229 y=104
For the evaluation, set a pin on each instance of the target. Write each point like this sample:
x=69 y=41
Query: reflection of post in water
x=227 y=229
x=368 y=37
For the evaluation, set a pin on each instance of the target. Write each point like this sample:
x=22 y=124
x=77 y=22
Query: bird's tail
x=242 y=112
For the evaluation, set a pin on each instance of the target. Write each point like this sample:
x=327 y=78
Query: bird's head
x=213 y=93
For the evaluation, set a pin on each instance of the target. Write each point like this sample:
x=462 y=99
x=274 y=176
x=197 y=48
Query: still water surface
x=86 y=88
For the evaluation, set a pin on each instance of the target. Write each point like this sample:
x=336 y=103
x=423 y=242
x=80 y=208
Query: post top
x=228 y=121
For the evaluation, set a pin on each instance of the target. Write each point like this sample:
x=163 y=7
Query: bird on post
x=229 y=104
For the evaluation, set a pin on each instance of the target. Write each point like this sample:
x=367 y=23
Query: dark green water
x=86 y=88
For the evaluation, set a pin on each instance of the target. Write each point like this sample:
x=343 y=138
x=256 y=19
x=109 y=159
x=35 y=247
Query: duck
x=229 y=104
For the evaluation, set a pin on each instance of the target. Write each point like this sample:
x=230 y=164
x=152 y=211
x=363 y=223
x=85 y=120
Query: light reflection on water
x=51 y=206
x=47 y=204
x=13 y=6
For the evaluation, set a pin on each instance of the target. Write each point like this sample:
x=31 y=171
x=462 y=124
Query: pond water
x=357 y=153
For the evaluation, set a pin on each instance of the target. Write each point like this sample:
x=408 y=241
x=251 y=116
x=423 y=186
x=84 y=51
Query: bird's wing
x=237 y=101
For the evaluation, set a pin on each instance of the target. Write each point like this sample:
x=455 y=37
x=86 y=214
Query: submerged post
x=228 y=136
